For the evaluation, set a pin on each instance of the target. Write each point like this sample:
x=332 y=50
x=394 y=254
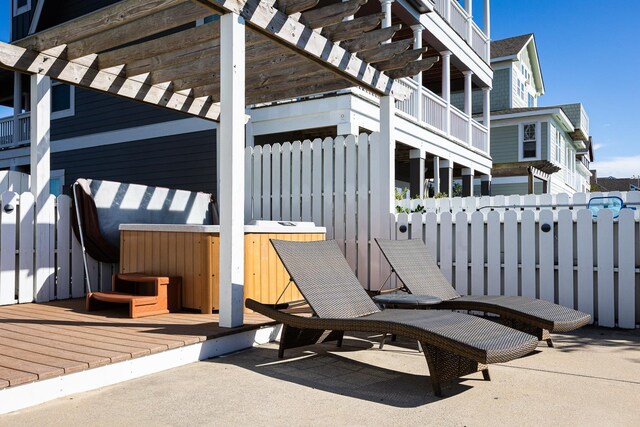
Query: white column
x=416 y=172
x=468 y=102
x=447 y=10
x=486 y=114
x=387 y=164
x=417 y=44
x=436 y=174
x=446 y=87
x=40 y=175
x=468 y=7
x=446 y=176
x=17 y=103
x=486 y=26
x=40 y=137
x=386 y=9
x=231 y=165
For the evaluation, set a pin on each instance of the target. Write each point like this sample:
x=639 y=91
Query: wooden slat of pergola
x=314 y=47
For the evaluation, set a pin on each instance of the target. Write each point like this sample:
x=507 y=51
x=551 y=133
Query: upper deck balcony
x=462 y=22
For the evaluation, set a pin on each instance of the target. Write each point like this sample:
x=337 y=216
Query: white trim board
x=24 y=396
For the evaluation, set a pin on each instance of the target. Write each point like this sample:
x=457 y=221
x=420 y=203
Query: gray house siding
x=500 y=90
x=504 y=144
x=96 y=112
x=544 y=155
x=185 y=162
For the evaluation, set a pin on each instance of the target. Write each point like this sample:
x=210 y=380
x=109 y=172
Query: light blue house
x=535 y=149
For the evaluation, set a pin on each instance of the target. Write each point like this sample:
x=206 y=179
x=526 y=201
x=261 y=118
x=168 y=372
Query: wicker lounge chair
x=454 y=344
x=414 y=266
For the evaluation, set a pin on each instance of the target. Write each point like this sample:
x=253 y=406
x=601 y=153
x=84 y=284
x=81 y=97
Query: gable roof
x=510 y=46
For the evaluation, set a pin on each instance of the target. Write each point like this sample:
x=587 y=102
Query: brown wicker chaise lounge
x=418 y=271
x=454 y=344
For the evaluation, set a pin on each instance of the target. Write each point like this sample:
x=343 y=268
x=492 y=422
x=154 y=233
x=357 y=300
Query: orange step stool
x=146 y=295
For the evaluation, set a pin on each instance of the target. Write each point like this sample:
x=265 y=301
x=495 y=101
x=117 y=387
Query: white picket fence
x=330 y=182
x=581 y=262
x=530 y=201
x=57 y=272
x=590 y=264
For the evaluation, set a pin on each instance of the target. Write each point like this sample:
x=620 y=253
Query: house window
x=62 y=100
x=529 y=141
x=530 y=103
x=21 y=6
x=559 y=143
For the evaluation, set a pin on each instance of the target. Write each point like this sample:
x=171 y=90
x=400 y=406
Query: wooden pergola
x=251 y=51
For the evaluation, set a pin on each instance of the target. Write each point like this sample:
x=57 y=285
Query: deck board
x=39 y=341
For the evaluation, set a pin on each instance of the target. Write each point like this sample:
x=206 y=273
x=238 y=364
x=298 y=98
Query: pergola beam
x=348 y=30
x=386 y=51
x=29 y=62
x=330 y=15
x=372 y=39
x=294 y=6
x=148 y=50
x=401 y=59
x=131 y=31
x=288 y=32
x=96 y=22
x=414 y=68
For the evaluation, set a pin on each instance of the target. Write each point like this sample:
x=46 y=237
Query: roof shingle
x=510 y=46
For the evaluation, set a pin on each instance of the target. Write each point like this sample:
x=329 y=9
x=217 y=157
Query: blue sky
x=589 y=53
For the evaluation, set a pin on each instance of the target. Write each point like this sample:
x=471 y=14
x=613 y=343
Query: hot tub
x=192 y=252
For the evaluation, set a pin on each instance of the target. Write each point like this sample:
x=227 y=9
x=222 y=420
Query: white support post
x=446 y=87
x=468 y=103
x=347 y=125
x=416 y=172
x=436 y=174
x=17 y=104
x=386 y=9
x=486 y=114
x=447 y=10
x=468 y=7
x=40 y=176
x=417 y=44
x=388 y=161
x=486 y=26
x=232 y=142
x=446 y=177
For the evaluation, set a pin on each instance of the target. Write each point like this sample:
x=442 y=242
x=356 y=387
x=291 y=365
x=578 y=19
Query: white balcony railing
x=15 y=131
x=479 y=136
x=434 y=110
x=433 y=114
x=479 y=41
x=462 y=23
x=459 y=124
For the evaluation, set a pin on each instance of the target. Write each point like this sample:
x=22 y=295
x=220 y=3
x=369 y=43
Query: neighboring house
x=610 y=183
x=534 y=149
x=97 y=136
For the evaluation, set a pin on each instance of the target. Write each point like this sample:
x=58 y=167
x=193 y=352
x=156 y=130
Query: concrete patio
x=592 y=377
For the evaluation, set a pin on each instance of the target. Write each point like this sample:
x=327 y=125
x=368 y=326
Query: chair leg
x=446 y=366
x=485 y=374
x=549 y=342
x=382 y=340
x=340 y=338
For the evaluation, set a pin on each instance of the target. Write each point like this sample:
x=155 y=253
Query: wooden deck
x=41 y=341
